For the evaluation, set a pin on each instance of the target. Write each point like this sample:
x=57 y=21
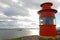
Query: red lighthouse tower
x=47 y=21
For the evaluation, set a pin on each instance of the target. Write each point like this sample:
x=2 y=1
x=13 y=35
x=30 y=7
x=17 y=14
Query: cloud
x=35 y=4
x=15 y=13
x=14 y=9
x=10 y=9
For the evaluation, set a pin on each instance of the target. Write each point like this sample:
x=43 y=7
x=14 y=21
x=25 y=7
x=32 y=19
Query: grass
x=20 y=38
x=14 y=39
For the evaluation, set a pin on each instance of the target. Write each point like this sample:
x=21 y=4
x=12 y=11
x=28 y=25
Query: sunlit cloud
x=16 y=1
x=2 y=5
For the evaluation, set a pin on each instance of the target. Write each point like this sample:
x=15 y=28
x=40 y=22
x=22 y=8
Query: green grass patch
x=14 y=39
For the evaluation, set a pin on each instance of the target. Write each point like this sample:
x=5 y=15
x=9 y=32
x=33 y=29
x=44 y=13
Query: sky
x=23 y=13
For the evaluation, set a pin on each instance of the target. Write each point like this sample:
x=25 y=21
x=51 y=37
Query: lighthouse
x=47 y=26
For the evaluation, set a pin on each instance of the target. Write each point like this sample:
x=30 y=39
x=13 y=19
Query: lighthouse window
x=47 y=21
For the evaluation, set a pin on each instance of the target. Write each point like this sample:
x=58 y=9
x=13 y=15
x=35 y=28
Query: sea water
x=10 y=33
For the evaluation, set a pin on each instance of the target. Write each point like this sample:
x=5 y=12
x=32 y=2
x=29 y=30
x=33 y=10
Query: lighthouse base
x=47 y=38
x=48 y=30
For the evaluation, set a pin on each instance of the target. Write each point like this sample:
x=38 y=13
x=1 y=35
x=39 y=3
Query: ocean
x=15 y=33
